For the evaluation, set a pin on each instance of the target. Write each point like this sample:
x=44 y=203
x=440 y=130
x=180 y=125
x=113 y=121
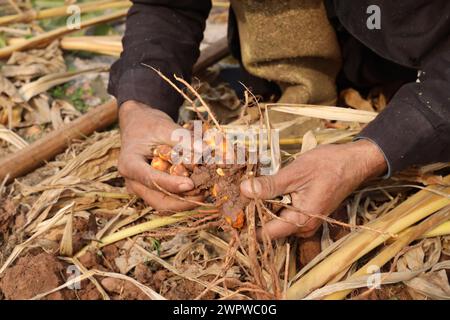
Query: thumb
x=266 y=187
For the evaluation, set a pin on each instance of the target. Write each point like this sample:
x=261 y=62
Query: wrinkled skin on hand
x=142 y=127
x=318 y=181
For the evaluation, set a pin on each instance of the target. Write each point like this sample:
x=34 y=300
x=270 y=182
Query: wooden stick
x=55 y=142
x=46 y=148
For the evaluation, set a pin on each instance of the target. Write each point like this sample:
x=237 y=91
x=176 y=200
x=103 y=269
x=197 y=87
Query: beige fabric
x=292 y=43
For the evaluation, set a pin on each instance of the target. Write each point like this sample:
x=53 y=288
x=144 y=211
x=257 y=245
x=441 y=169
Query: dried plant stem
x=108 y=195
x=253 y=247
x=12 y=138
x=68 y=283
x=89 y=274
x=392 y=250
x=203 y=103
x=286 y=269
x=62 y=11
x=44 y=83
x=227 y=264
x=82 y=268
x=13 y=4
x=139 y=228
x=66 y=246
x=324 y=112
x=107 y=45
x=220 y=244
x=268 y=255
x=40 y=231
x=171 y=268
x=173 y=195
x=51 y=35
x=441 y=230
x=181 y=92
x=323 y=218
x=360 y=242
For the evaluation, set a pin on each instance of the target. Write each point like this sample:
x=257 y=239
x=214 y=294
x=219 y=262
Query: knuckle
x=148 y=181
x=122 y=167
x=129 y=188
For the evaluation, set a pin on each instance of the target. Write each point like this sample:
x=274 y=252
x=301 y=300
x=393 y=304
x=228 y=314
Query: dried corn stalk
x=415 y=208
x=62 y=11
x=47 y=37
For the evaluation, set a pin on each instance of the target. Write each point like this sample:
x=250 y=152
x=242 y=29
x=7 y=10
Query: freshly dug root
x=163 y=152
x=179 y=170
x=219 y=184
x=160 y=164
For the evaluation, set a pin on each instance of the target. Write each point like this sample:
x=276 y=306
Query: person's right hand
x=142 y=127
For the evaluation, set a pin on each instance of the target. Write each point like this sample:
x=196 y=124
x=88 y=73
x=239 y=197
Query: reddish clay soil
x=122 y=290
x=32 y=275
x=308 y=249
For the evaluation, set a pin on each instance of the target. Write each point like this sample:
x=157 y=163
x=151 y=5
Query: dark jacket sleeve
x=414 y=129
x=162 y=34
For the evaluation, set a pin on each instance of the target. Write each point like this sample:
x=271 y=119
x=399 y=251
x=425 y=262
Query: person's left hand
x=318 y=181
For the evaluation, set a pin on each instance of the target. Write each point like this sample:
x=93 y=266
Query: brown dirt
x=11 y=218
x=88 y=291
x=184 y=289
x=110 y=253
x=308 y=249
x=90 y=260
x=143 y=274
x=123 y=290
x=7 y=212
x=103 y=261
x=81 y=233
x=337 y=232
x=169 y=285
x=223 y=189
x=202 y=176
x=386 y=292
x=32 y=275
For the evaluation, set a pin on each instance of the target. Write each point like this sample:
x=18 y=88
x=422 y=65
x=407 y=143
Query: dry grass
x=390 y=223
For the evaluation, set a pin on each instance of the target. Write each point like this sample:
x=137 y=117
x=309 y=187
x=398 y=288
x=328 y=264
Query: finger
x=307 y=234
x=291 y=222
x=128 y=187
x=309 y=229
x=269 y=187
x=160 y=201
x=137 y=169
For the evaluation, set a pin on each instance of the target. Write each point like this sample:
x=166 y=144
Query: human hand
x=142 y=127
x=318 y=181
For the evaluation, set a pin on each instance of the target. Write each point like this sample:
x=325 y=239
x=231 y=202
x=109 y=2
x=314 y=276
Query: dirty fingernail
x=186 y=186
